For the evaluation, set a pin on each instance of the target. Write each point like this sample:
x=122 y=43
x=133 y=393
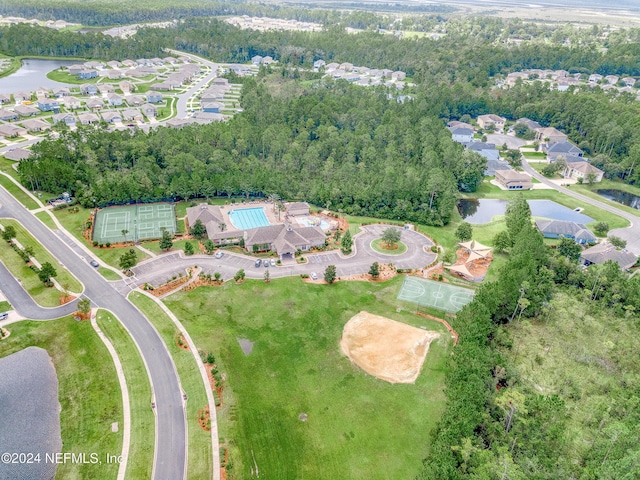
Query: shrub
x=95 y=243
x=108 y=244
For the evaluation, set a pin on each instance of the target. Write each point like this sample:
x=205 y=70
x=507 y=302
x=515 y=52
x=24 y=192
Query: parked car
x=219 y=254
x=273 y=262
x=265 y=263
x=313 y=276
x=258 y=263
x=4 y=316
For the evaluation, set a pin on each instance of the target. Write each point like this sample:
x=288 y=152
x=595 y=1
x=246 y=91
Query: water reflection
x=625 y=198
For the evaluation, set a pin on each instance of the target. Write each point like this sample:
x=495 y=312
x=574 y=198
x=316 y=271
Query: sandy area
x=384 y=348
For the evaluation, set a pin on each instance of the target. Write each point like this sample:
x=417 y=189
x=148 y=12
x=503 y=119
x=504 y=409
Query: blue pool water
x=482 y=211
x=247 y=218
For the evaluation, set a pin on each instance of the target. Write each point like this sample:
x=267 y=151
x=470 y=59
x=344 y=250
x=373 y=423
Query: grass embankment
x=4 y=306
x=65 y=77
x=588 y=357
x=18 y=193
x=74 y=223
x=11 y=67
x=358 y=427
x=45 y=296
x=45 y=218
x=88 y=390
x=589 y=191
x=200 y=456
x=141 y=450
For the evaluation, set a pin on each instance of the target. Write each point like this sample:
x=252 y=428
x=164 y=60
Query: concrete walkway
x=205 y=380
x=126 y=407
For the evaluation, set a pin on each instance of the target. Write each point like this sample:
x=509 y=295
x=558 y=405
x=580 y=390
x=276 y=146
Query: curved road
x=631 y=234
x=170 y=454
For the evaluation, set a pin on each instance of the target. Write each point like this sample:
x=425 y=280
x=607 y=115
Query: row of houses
x=362 y=76
x=562 y=80
x=45 y=96
x=176 y=80
x=266 y=23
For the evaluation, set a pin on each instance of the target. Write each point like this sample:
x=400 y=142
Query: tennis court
x=435 y=294
x=141 y=222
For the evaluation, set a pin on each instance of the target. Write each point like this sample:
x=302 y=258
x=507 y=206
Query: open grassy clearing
x=18 y=193
x=44 y=296
x=177 y=245
x=88 y=390
x=199 y=455
x=74 y=223
x=588 y=358
x=47 y=220
x=142 y=419
x=4 y=306
x=65 y=77
x=109 y=274
x=358 y=426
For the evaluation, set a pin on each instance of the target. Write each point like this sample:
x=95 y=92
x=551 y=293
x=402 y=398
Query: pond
x=625 y=198
x=33 y=74
x=482 y=211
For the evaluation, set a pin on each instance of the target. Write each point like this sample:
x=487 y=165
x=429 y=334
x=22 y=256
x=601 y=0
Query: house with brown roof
x=10 y=130
x=512 y=180
x=132 y=115
x=487 y=121
x=17 y=154
x=88 y=118
x=297 y=208
x=72 y=103
x=36 y=125
x=582 y=170
x=550 y=135
x=25 y=110
x=284 y=239
x=149 y=110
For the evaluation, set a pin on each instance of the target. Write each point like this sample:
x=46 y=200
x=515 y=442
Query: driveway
x=500 y=139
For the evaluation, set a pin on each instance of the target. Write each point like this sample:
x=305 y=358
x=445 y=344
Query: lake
x=33 y=74
x=625 y=198
x=482 y=211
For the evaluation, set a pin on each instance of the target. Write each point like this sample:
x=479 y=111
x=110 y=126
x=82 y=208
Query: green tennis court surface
x=141 y=222
x=435 y=294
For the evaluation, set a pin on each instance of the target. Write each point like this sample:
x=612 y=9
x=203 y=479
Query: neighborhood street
x=631 y=234
x=170 y=454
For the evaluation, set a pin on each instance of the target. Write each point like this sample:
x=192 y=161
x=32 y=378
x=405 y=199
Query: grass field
x=18 y=193
x=200 y=459
x=47 y=297
x=358 y=427
x=4 y=306
x=88 y=390
x=141 y=448
x=47 y=220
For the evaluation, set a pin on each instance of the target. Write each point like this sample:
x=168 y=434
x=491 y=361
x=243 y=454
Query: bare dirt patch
x=385 y=348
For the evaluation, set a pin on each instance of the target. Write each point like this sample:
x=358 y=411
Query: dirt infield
x=384 y=348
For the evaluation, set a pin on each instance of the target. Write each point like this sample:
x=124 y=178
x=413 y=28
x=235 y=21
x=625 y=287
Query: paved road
x=631 y=234
x=170 y=454
x=158 y=270
x=184 y=97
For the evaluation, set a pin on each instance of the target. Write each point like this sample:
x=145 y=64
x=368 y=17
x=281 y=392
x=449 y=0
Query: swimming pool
x=313 y=222
x=247 y=218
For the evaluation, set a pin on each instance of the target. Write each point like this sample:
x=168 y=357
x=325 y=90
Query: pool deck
x=266 y=206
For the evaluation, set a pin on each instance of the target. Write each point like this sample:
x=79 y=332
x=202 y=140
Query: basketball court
x=435 y=294
x=141 y=222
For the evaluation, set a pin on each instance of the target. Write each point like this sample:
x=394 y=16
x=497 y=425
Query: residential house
x=318 y=64
x=284 y=239
x=114 y=64
x=512 y=180
x=170 y=60
x=550 y=135
x=331 y=66
x=72 y=103
x=129 y=63
x=88 y=118
x=7 y=115
x=154 y=97
x=66 y=118
x=595 y=78
x=87 y=74
x=611 y=79
x=605 y=252
x=256 y=59
x=25 y=110
x=456 y=123
x=134 y=100
x=398 y=76
x=560 y=228
x=211 y=96
x=88 y=89
x=179 y=122
x=75 y=69
x=462 y=135
x=297 y=208
x=112 y=116
x=114 y=99
x=582 y=170
x=12 y=130
x=487 y=150
x=629 y=81
x=491 y=120
x=268 y=60
x=132 y=115
x=94 y=103
x=4 y=98
x=220 y=81
x=126 y=86
x=43 y=92
x=157 y=61
x=530 y=124
x=386 y=73
x=17 y=154
x=346 y=66
x=212 y=107
x=92 y=65
x=207 y=117
x=164 y=86
x=20 y=97
x=106 y=88
x=494 y=165
x=36 y=125
x=149 y=110
x=564 y=149
x=61 y=92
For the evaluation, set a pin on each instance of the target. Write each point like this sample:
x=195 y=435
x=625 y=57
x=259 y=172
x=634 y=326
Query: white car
x=219 y=254
x=273 y=262
x=313 y=276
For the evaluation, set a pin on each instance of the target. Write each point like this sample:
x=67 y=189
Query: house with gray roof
x=88 y=89
x=149 y=110
x=106 y=88
x=88 y=118
x=134 y=100
x=203 y=118
x=605 y=252
x=25 y=110
x=17 y=154
x=461 y=134
x=494 y=165
x=7 y=115
x=11 y=130
x=284 y=239
x=560 y=228
x=112 y=116
x=4 y=98
x=94 y=103
x=61 y=92
x=23 y=96
x=533 y=125
x=579 y=170
x=154 y=97
x=550 y=135
x=72 y=103
x=297 y=208
x=36 y=125
x=132 y=115
x=66 y=118
x=487 y=150
x=563 y=148
x=114 y=99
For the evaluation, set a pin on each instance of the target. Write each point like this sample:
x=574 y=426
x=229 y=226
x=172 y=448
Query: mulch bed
x=204 y=419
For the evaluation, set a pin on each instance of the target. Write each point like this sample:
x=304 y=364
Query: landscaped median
x=199 y=449
x=88 y=392
x=141 y=449
x=45 y=296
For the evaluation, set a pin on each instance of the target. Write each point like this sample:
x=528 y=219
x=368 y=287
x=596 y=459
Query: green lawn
x=74 y=223
x=200 y=457
x=88 y=390
x=358 y=427
x=18 y=193
x=154 y=246
x=378 y=246
x=47 y=220
x=534 y=155
x=109 y=274
x=5 y=306
x=65 y=77
x=589 y=191
x=141 y=449
x=47 y=297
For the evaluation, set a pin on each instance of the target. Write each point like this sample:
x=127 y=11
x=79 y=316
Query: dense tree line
x=336 y=145
x=493 y=426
